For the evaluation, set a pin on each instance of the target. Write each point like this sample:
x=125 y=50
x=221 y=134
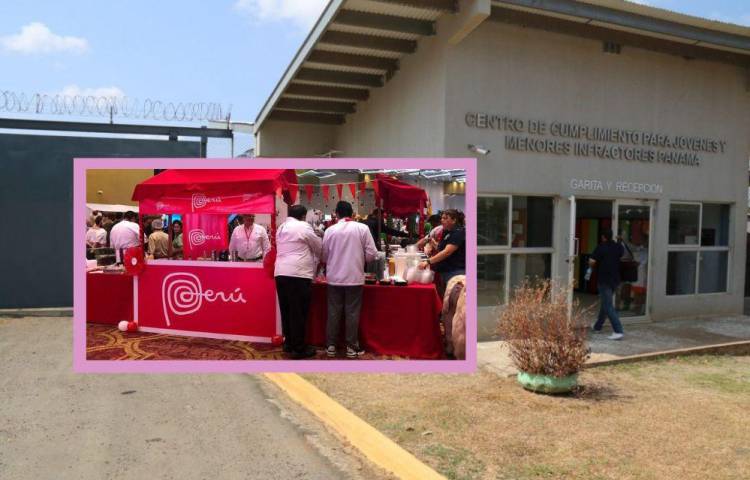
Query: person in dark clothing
x=298 y=250
x=606 y=259
x=450 y=259
x=372 y=224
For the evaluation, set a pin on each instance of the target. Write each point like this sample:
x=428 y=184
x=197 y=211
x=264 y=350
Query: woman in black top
x=451 y=257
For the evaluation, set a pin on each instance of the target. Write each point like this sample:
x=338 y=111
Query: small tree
x=542 y=338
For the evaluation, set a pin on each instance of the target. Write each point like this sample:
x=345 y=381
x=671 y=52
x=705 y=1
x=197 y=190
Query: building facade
x=584 y=116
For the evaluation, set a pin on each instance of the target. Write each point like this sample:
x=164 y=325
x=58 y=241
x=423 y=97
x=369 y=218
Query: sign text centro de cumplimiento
x=566 y=139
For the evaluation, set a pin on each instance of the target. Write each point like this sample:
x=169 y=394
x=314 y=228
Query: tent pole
x=169 y=230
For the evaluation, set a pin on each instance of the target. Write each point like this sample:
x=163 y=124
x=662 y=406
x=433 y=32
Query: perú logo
x=182 y=294
x=200 y=200
x=198 y=237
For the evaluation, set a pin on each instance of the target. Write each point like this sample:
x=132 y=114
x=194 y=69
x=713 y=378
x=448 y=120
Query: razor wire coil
x=111 y=107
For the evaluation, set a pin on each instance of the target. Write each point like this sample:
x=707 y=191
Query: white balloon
x=123 y=326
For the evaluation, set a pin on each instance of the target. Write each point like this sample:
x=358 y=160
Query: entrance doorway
x=630 y=222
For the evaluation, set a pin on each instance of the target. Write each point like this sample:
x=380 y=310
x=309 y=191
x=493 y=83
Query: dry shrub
x=541 y=338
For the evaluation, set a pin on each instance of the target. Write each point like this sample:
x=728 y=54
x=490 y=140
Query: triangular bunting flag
x=353 y=189
x=340 y=189
x=326 y=190
x=309 y=192
x=293 y=190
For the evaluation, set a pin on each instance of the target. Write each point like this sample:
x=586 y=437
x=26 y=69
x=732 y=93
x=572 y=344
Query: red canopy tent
x=214 y=191
x=205 y=298
x=202 y=194
x=401 y=199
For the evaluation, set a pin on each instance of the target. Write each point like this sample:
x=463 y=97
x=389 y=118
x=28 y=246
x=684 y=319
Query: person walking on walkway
x=606 y=259
x=347 y=246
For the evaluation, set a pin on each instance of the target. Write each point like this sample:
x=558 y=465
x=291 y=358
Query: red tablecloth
x=401 y=321
x=109 y=298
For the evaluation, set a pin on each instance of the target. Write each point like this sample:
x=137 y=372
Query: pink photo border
x=81 y=364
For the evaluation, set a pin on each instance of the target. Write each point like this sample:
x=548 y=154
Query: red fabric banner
x=293 y=192
x=217 y=300
x=376 y=188
x=184 y=182
x=326 y=191
x=309 y=192
x=353 y=189
x=203 y=233
x=362 y=188
x=340 y=189
x=201 y=203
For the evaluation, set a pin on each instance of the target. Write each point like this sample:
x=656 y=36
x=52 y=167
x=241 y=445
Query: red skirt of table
x=402 y=321
x=109 y=298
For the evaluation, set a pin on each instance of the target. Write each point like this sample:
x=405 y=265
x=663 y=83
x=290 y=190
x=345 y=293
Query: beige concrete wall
x=294 y=139
x=536 y=75
x=116 y=186
x=405 y=118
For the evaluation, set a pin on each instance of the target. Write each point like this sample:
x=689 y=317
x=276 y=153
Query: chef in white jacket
x=125 y=234
x=249 y=240
x=347 y=246
x=297 y=254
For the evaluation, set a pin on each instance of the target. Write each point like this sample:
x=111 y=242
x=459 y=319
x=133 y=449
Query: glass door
x=633 y=229
x=572 y=253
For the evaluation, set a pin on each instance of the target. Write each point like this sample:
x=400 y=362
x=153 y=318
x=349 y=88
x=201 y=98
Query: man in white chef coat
x=125 y=234
x=297 y=254
x=347 y=246
x=249 y=240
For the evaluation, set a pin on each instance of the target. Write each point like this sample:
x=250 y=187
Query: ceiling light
x=323 y=175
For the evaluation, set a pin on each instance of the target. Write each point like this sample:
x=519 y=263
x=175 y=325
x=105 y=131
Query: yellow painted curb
x=378 y=448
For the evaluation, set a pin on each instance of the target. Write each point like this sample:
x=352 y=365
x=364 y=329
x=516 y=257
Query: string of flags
x=325 y=189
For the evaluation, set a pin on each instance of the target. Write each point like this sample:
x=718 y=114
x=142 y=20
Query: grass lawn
x=682 y=419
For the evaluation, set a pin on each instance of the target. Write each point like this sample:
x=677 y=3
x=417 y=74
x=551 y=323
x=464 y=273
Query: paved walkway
x=57 y=424
x=639 y=339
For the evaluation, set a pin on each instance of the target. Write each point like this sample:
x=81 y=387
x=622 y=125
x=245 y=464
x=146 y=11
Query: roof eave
x=299 y=59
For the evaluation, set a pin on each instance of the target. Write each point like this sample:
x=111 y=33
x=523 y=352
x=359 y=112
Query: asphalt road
x=57 y=424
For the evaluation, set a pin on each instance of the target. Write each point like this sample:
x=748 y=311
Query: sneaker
x=331 y=350
x=593 y=330
x=354 y=352
x=307 y=352
x=615 y=336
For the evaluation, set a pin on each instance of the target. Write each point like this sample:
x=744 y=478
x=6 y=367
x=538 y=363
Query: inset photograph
x=276 y=264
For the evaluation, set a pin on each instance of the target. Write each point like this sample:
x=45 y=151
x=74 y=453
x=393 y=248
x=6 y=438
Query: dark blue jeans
x=607 y=309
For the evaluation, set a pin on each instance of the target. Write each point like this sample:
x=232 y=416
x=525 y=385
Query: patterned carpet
x=105 y=342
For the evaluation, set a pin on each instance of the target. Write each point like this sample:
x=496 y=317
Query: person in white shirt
x=347 y=246
x=297 y=253
x=96 y=236
x=125 y=234
x=249 y=240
